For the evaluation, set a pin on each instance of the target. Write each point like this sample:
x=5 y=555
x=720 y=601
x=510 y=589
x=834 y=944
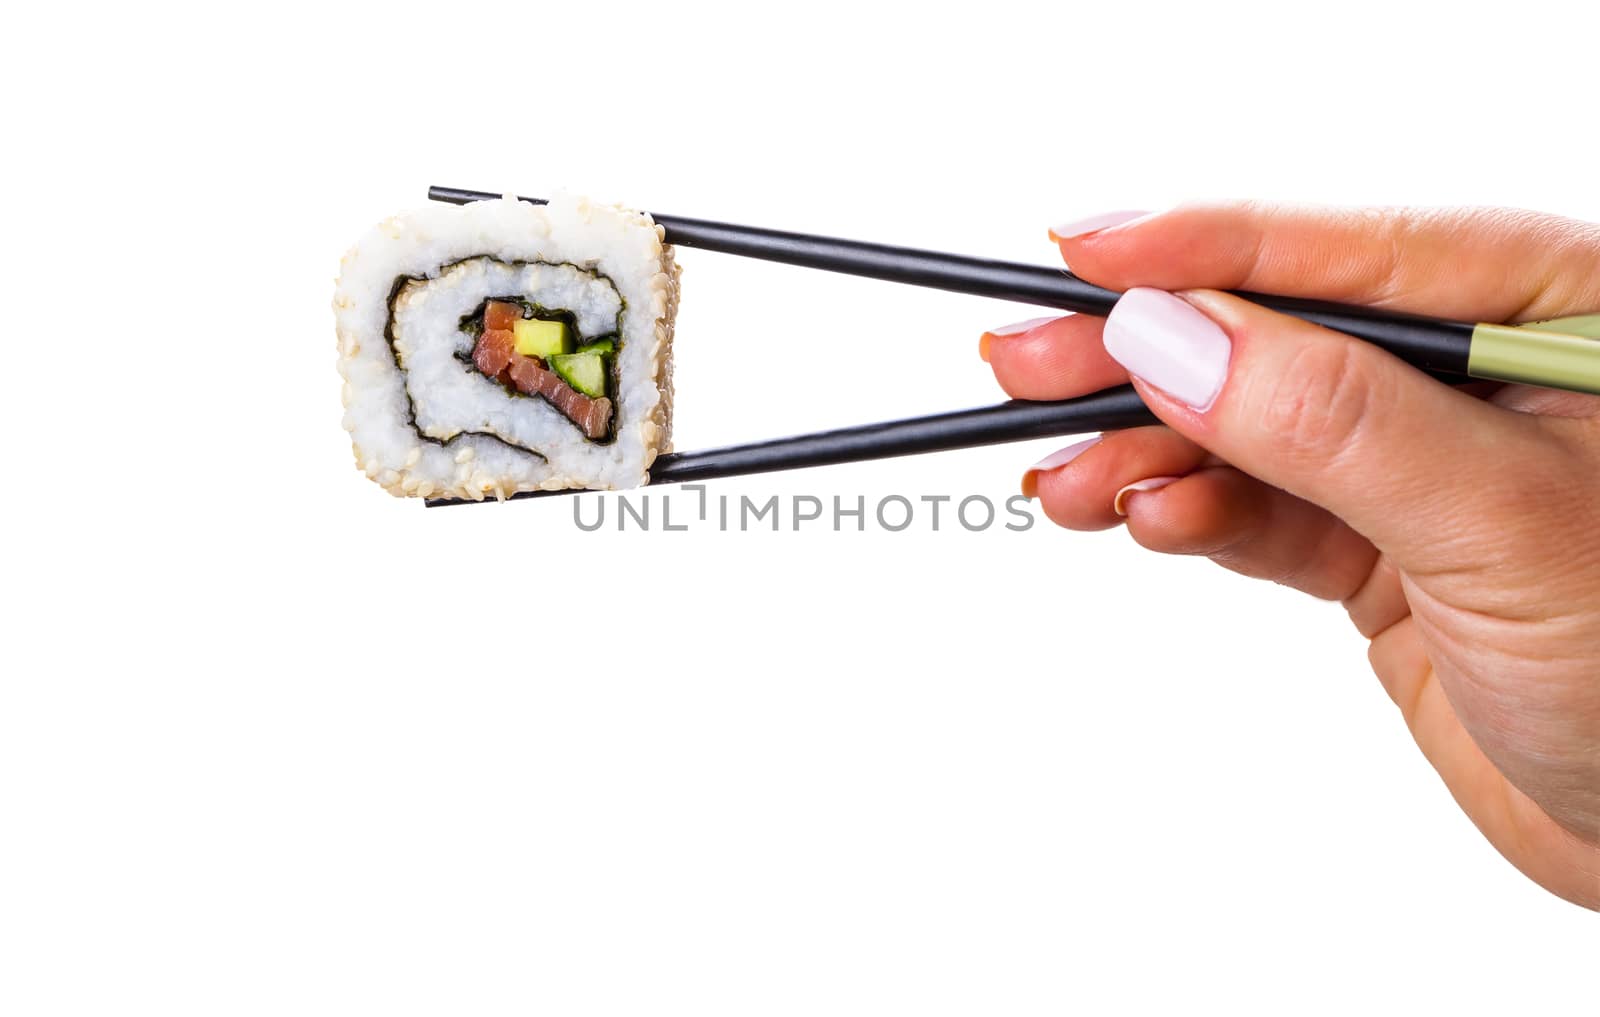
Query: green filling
x=585 y=372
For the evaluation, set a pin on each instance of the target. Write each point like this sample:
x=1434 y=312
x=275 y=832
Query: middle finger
x=1051 y=358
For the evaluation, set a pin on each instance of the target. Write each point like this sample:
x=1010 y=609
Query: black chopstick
x=1110 y=410
x=1431 y=344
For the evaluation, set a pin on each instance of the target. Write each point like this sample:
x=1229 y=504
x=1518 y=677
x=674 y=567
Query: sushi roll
x=502 y=346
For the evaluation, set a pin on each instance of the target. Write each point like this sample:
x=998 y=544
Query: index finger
x=1473 y=264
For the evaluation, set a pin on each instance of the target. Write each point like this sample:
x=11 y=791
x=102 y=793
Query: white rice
x=469 y=438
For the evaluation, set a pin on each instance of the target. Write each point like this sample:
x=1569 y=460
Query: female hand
x=1458 y=528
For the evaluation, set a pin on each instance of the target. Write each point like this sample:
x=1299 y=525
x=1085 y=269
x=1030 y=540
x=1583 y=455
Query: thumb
x=1430 y=475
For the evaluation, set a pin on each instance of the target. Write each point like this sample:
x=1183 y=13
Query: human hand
x=1458 y=527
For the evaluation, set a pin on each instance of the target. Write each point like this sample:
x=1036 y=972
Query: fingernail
x=1167 y=342
x=1008 y=330
x=1120 y=503
x=1054 y=460
x=1094 y=223
x=1020 y=327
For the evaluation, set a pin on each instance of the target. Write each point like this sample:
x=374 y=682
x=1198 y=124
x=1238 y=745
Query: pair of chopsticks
x=1557 y=354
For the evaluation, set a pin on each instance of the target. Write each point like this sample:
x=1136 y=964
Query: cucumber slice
x=537 y=338
x=585 y=372
x=598 y=346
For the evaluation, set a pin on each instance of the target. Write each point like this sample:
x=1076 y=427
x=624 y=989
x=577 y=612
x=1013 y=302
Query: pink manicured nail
x=1103 y=221
x=1167 y=342
x=1066 y=455
x=1055 y=460
x=1119 y=504
x=1020 y=327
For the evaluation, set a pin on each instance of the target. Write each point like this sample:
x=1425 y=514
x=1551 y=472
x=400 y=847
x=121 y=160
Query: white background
x=274 y=742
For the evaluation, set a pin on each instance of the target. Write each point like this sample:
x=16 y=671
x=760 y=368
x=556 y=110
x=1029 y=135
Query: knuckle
x=1317 y=406
x=1160 y=539
x=1386 y=276
x=1181 y=534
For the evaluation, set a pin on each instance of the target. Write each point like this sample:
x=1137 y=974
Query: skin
x=1457 y=527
